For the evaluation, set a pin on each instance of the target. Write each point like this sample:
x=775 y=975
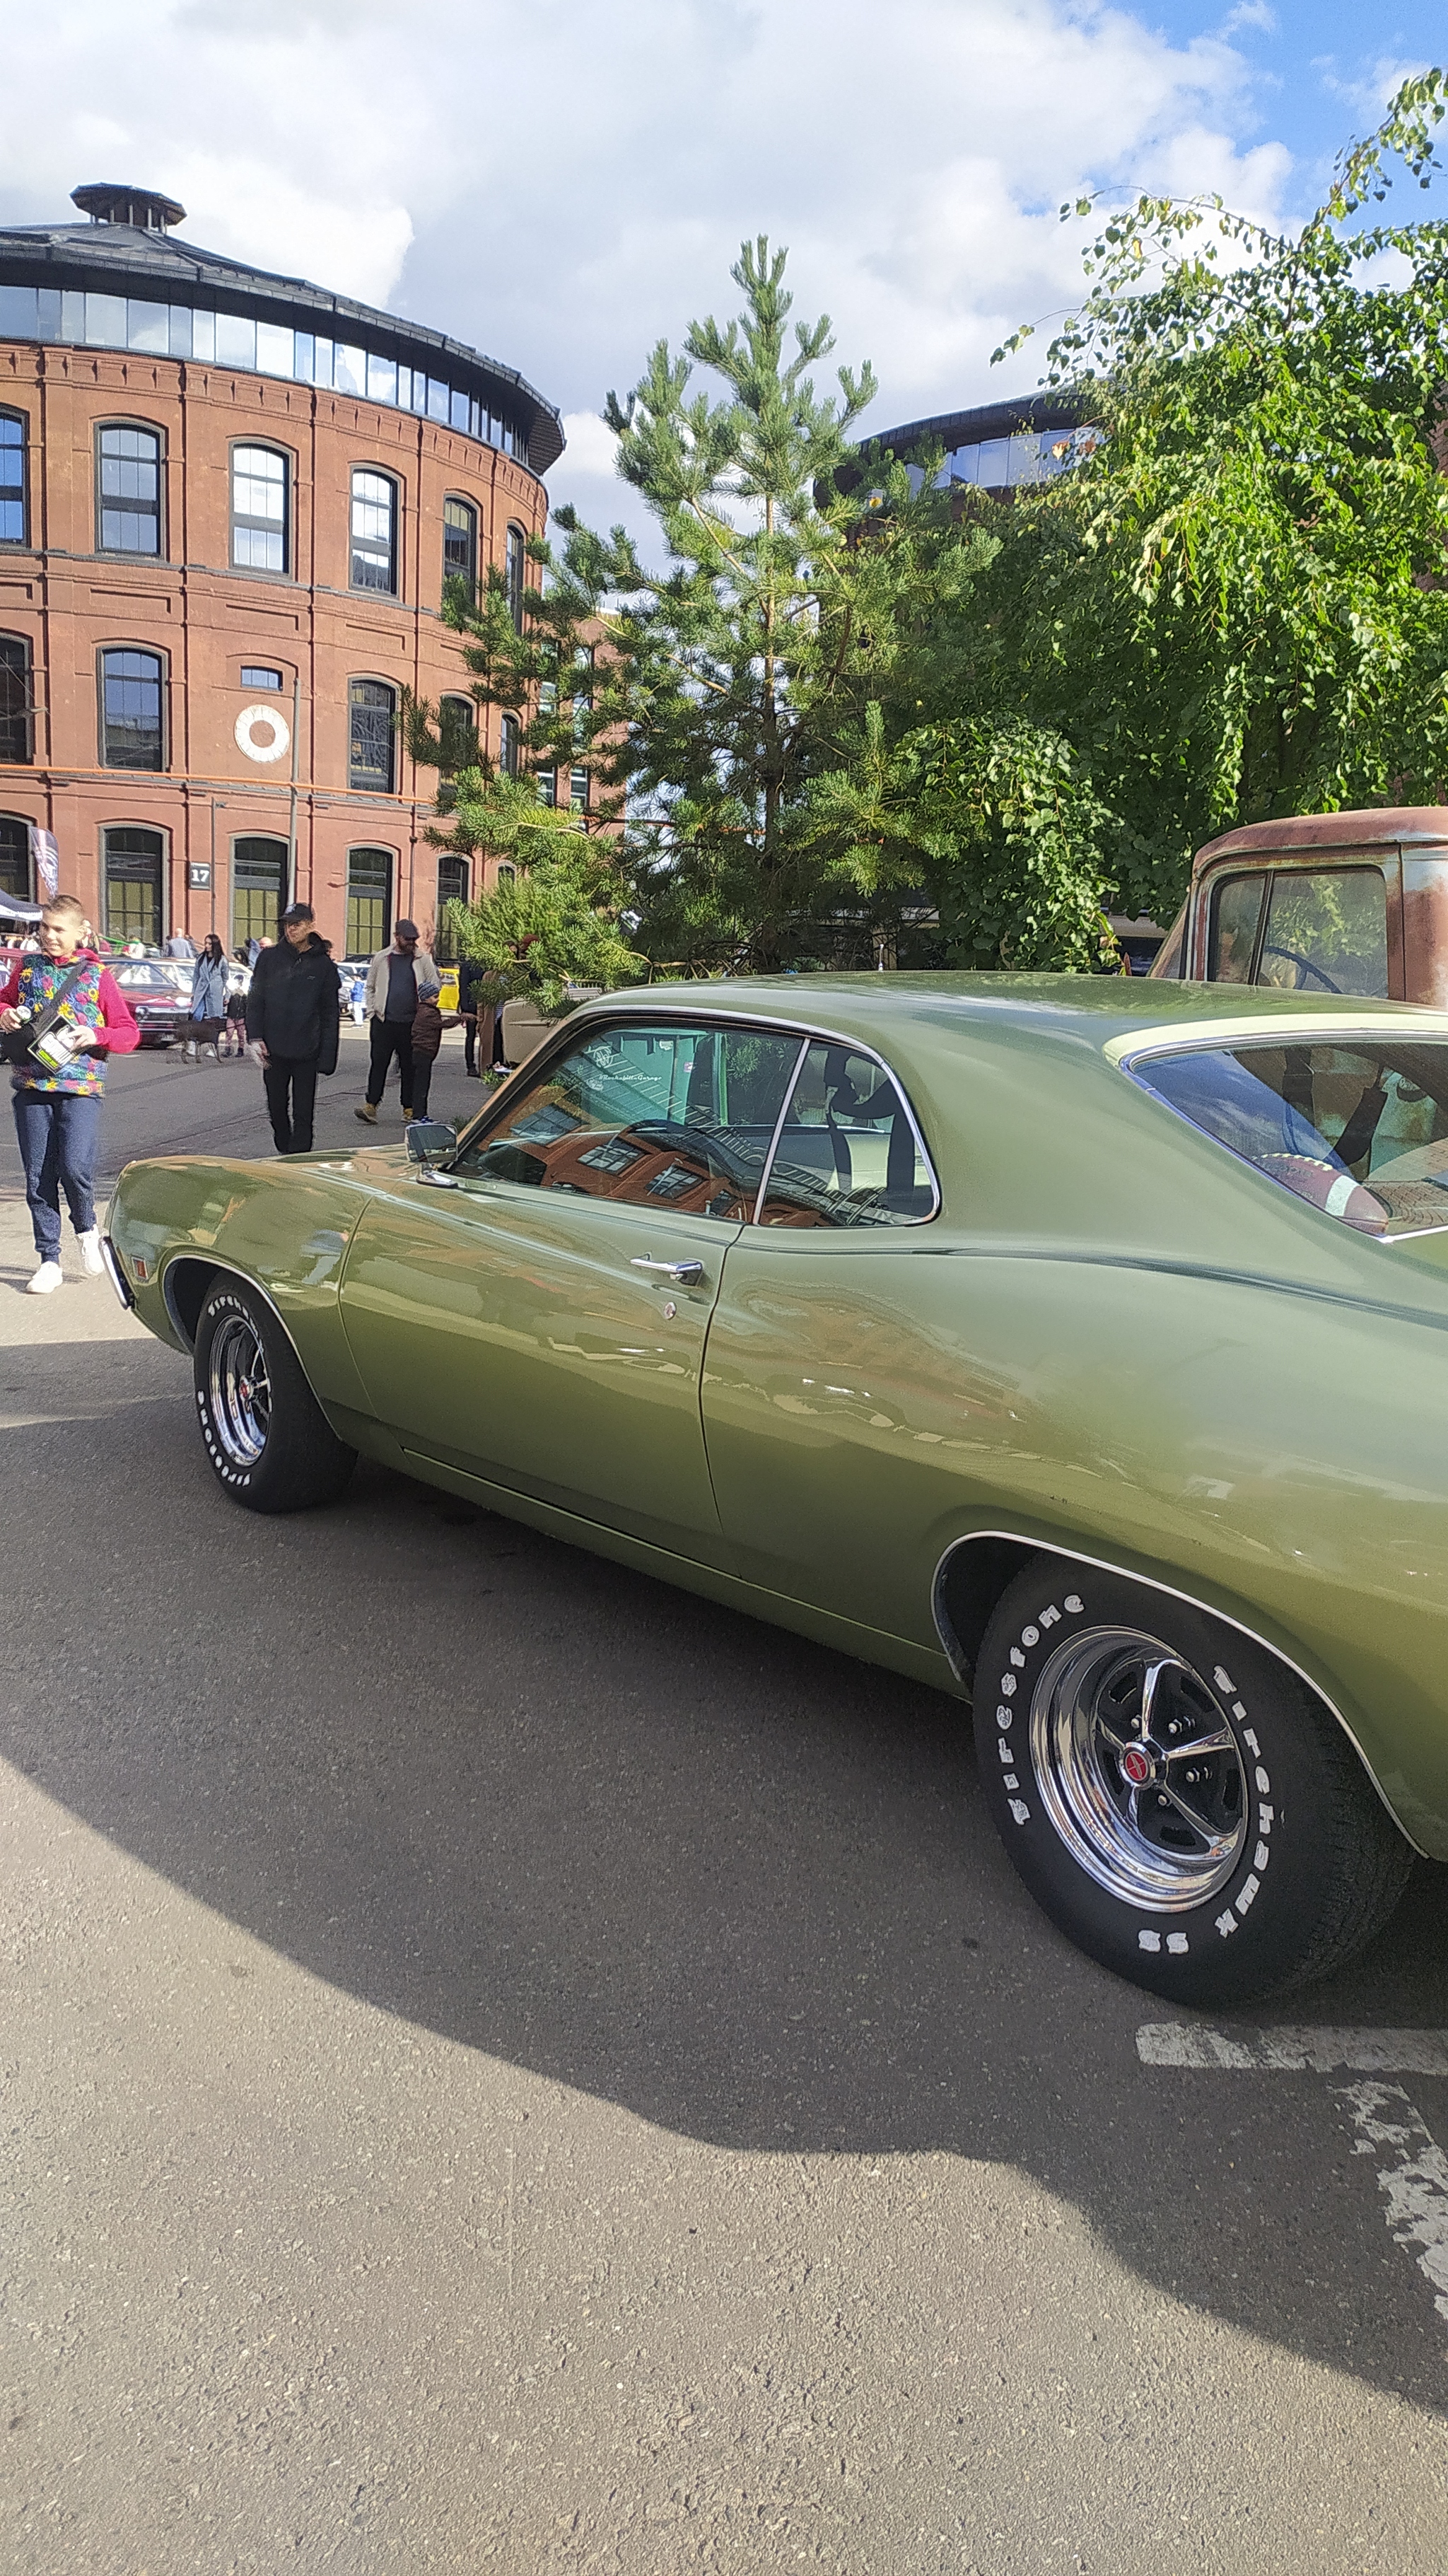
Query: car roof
x=1106 y=1012
x=1383 y=827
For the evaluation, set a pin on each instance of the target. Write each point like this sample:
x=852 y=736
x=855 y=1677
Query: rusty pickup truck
x=1321 y=903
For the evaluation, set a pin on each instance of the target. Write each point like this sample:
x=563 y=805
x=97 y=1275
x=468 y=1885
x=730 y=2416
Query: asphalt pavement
x=506 y=2066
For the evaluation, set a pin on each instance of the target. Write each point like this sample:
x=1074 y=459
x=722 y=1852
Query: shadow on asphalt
x=649 y=1848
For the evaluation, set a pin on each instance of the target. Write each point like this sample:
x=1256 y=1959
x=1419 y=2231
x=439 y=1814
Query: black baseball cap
x=298 y=912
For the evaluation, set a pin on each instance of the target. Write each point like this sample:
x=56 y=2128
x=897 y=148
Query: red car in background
x=156 y=992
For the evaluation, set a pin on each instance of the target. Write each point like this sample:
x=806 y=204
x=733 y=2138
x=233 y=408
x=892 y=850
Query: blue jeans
x=58 y=1132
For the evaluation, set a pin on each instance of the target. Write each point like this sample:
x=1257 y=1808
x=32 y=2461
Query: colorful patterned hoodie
x=96 y=1002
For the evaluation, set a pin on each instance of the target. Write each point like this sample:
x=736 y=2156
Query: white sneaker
x=90 y=1253
x=48 y=1276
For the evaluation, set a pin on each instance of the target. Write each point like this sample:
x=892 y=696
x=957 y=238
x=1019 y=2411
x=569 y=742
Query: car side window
x=849 y=1152
x=1327 y=932
x=1236 y=919
x=659 y=1114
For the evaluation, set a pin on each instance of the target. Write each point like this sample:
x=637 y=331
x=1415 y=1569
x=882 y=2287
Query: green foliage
x=817 y=712
x=836 y=703
x=1234 y=609
x=540 y=932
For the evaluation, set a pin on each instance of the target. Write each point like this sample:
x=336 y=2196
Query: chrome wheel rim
x=1138 y=1769
x=239 y=1390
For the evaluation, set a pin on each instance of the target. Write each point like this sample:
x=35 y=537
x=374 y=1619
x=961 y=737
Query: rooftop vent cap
x=106 y=203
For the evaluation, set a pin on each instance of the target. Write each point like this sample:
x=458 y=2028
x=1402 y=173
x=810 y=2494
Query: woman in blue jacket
x=208 y=998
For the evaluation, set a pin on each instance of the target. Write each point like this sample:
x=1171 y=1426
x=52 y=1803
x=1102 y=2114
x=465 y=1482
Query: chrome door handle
x=684 y=1274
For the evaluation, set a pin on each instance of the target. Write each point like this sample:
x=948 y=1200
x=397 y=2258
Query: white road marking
x=1415 y=2186
x=1293 y=2052
x=1412 y=2167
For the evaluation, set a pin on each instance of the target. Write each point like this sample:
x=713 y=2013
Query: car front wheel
x=1177 y=1801
x=269 y=1443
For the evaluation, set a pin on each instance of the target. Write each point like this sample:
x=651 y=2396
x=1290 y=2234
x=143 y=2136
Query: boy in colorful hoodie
x=58 y=1108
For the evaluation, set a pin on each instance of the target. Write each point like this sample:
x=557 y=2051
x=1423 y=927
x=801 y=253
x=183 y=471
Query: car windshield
x=1359 y=1130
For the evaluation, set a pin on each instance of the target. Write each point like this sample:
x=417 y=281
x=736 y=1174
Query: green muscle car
x=1078 y=1346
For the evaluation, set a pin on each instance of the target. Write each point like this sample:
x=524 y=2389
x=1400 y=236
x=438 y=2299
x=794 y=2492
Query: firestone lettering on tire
x=239 y=1478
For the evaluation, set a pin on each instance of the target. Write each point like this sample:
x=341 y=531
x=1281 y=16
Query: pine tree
x=734 y=680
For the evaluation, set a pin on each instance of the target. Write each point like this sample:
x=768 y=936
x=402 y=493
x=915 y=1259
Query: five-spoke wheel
x=267 y=1438
x=1138 y=1768
x=1172 y=1793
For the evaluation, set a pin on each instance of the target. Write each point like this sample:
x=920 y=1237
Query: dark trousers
x=470 y=1040
x=390 y=1038
x=58 y=1132
x=291 y=1091
x=421 y=1083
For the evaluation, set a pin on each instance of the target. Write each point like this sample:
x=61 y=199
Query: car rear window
x=1358 y=1130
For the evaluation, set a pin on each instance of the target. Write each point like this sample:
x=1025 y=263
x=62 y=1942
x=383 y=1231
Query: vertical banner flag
x=47 y=862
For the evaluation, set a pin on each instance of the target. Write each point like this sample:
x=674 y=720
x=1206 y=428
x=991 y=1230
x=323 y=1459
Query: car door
x=536 y=1313
x=832 y=1394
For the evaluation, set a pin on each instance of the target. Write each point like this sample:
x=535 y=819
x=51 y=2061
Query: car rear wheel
x=269 y=1443
x=1176 y=1800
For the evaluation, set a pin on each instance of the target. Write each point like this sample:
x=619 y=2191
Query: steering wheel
x=1297 y=958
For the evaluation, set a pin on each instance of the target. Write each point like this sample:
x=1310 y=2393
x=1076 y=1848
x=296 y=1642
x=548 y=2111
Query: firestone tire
x=269 y=1443
x=1228 y=1848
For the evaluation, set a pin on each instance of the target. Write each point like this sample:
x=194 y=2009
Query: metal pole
x=213 y=864
x=292 y=812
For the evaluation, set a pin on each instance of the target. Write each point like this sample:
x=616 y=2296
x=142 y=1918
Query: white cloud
x=564 y=183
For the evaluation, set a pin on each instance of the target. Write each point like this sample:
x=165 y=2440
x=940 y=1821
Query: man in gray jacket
x=392 y=983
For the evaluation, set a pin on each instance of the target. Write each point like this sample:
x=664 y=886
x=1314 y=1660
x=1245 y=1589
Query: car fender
x=175 y=1222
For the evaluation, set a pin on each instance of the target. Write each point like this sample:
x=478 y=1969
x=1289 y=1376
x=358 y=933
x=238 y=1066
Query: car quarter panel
x=284 y=1225
x=1283 y=1458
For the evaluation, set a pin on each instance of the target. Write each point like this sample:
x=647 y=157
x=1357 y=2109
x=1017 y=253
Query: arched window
x=15 y=858
x=13 y=514
x=458 y=729
x=258 y=888
x=515 y=562
x=260 y=510
x=16 y=739
x=128 y=489
x=452 y=887
x=374 y=531
x=132 y=708
x=460 y=543
x=369 y=901
x=133 y=862
x=371 y=745
x=508 y=746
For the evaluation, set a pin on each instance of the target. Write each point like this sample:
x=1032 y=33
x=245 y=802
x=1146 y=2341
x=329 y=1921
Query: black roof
x=951 y=429
x=120 y=259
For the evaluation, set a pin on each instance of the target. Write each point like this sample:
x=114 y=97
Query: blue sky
x=1316 y=74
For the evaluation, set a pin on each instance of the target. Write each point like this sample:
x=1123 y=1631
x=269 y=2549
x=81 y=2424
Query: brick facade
x=69 y=602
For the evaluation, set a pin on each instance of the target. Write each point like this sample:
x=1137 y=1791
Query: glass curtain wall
x=71 y=317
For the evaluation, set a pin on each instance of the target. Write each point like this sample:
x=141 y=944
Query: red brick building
x=228 y=503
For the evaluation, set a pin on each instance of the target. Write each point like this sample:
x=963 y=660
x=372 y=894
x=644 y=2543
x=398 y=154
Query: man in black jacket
x=291 y=1020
